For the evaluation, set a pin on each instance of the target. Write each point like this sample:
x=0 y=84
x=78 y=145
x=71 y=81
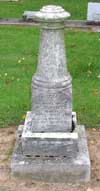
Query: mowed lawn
x=18 y=60
x=77 y=8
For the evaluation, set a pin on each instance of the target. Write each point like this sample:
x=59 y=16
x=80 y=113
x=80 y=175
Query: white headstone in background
x=93 y=12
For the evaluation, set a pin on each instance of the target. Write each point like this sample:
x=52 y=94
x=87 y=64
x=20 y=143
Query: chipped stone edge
x=27 y=133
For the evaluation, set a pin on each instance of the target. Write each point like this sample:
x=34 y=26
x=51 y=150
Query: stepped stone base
x=52 y=168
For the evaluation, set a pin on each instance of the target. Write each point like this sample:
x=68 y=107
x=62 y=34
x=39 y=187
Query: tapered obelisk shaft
x=51 y=84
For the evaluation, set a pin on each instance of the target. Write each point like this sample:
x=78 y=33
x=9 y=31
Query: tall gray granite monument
x=50 y=146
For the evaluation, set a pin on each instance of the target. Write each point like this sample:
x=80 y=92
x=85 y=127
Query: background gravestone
x=93 y=14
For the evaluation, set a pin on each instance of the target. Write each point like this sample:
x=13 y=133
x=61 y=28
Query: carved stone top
x=47 y=13
x=52 y=9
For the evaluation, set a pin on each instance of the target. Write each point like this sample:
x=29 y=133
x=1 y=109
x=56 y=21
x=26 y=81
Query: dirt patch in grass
x=8 y=183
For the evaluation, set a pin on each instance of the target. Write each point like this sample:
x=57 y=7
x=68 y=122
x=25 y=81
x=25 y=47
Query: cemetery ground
x=8 y=183
x=77 y=8
x=18 y=59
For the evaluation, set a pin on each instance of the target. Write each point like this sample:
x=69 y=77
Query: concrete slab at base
x=53 y=169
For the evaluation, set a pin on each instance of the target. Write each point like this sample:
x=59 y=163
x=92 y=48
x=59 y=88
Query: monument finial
x=47 y=13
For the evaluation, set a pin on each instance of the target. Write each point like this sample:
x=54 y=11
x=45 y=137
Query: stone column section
x=51 y=84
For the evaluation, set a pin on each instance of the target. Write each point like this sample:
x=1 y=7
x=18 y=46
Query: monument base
x=52 y=168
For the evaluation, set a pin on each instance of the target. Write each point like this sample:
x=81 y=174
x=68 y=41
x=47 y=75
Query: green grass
x=4 y=189
x=83 y=50
x=77 y=8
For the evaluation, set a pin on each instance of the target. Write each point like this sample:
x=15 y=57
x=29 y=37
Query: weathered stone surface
x=54 y=169
x=51 y=109
x=49 y=144
x=51 y=85
x=93 y=14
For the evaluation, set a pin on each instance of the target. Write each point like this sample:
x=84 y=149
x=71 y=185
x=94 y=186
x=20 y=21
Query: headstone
x=93 y=14
x=50 y=145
